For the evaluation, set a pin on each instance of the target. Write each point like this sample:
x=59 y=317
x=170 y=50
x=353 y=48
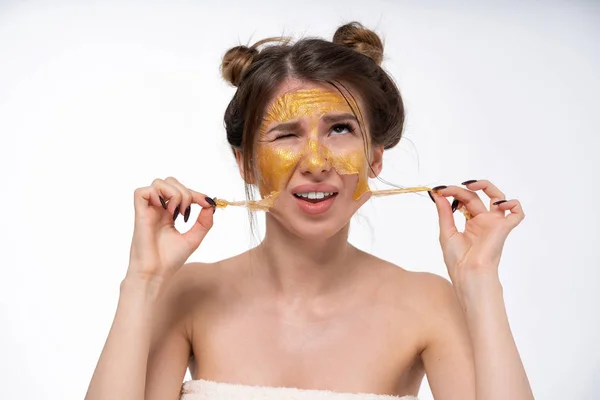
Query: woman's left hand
x=477 y=250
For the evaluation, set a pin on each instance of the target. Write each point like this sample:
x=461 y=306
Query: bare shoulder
x=179 y=295
x=402 y=276
x=415 y=304
x=197 y=282
x=423 y=292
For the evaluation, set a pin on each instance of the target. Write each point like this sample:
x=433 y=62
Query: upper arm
x=170 y=346
x=448 y=355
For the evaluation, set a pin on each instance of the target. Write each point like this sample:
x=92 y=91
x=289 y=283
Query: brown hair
x=352 y=60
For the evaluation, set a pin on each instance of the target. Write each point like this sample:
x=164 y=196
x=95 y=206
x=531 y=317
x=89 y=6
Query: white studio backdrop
x=99 y=98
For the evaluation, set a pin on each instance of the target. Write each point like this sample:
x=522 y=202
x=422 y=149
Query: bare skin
x=362 y=329
x=364 y=333
x=305 y=309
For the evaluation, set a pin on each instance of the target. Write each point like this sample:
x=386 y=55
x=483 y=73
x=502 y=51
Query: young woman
x=305 y=315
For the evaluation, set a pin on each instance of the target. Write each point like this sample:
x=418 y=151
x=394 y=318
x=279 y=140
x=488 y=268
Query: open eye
x=342 y=129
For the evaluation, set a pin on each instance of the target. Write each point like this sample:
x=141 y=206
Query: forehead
x=309 y=99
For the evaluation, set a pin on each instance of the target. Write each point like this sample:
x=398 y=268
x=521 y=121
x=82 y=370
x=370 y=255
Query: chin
x=316 y=231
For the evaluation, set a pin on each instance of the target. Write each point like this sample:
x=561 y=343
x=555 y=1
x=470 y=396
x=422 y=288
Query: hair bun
x=360 y=39
x=235 y=63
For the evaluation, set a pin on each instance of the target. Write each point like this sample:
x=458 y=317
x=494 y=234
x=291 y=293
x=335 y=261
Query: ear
x=239 y=158
x=376 y=161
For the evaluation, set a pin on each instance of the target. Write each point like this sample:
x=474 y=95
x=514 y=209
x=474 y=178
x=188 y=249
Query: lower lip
x=315 y=208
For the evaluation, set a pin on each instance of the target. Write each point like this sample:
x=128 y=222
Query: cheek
x=275 y=167
x=348 y=162
x=353 y=163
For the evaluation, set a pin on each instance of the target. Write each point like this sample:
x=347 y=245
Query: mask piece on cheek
x=353 y=163
x=277 y=165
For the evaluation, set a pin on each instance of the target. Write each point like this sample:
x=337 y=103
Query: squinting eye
x=284 y=135
x=341 y=129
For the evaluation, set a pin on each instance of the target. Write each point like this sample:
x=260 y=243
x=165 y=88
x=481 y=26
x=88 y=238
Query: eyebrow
x=330 y=119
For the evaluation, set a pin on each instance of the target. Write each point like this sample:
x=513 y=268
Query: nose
x=315 y=158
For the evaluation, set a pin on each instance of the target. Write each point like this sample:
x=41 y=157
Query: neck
x=297 y=269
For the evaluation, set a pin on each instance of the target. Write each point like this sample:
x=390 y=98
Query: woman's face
x=310 y=153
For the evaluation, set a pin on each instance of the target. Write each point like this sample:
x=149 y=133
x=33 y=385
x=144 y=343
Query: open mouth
x=315 y=197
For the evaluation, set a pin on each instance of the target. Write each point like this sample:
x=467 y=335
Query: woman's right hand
x=158 y=250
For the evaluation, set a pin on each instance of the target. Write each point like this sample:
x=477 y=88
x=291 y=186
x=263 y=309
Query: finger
x=206 y=202
x=463 y=210
x=201 y=227
x=516 y=214
x=171 y=195
x=446 y=218
x=186 y=196
x=147 y=196
x=202 y=199
x=469 y=199
x=155 y=198
x=491 y=190
x=144 y=196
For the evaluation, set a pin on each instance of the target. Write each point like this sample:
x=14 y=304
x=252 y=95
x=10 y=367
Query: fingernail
x=187 y=213
x=454 y=205
x=439 y=187
x=214 y=209
x=210 y=201
x=430 y=195
x=499 y=202
x=469 y=182
x=176 y=213
x=162 y=201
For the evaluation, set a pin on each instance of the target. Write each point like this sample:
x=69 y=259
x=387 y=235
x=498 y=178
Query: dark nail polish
x=187 y=214
x=214 y=209
x=454 y=205
x=176 y=213
x=439 y=187
x=162 y=201
x=210 y=201
x=430 y=195
x=499 y=202
x=469 y=182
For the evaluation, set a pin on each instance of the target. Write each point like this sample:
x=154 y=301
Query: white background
x=98 y=98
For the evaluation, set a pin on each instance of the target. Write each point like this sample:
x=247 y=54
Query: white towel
x=201 y=389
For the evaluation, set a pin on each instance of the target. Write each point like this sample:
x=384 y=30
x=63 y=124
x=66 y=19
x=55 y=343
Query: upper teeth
x=314 y=195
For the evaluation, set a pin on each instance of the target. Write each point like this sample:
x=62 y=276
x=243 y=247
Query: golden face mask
x=276 y=163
